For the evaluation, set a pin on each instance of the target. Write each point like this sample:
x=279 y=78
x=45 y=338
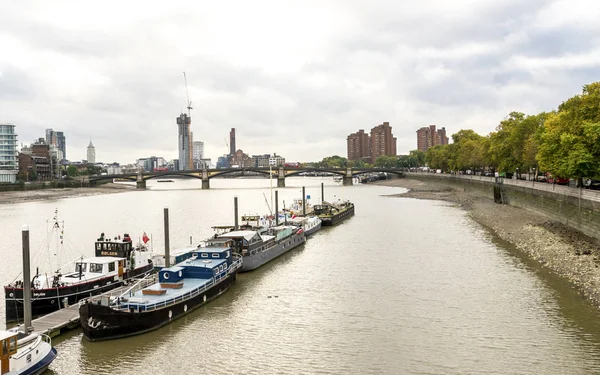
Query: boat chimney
x=276 y=207
x=303 y=201
x=26 y=280
x=235 y=212
x=167 y=253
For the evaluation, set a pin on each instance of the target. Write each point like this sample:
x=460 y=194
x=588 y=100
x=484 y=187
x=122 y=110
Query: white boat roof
x=247 y=234
x=102 y=260
x=6 y=334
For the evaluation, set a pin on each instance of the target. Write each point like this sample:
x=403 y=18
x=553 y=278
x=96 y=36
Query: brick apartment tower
x=383 y=143
x=359 y=145
x=428 y=137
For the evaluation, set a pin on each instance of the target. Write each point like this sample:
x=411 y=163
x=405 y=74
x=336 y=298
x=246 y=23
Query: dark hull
x=339 y=217
x=103 y=323
x=45 y=301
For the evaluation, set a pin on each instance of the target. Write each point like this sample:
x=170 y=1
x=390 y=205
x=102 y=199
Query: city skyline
x=460 y=65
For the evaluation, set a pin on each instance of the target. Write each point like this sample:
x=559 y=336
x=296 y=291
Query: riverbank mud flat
x=8 y=197
x=565 y=251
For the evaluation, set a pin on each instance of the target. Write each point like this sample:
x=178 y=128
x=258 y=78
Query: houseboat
x=333 y=213
x=258 y=248
x=310 y=224
x=115 y=262
x=179 y=290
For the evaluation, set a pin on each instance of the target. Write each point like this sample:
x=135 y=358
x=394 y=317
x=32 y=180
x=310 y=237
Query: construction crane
x=187 y=95
x=226 y=144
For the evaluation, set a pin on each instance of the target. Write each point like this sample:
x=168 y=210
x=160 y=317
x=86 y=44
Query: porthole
x=52 y=301
x=180 y=273
x=170 y=314
x=184 y=308
x=12 y=295
x=204 y=298
x=166 y=275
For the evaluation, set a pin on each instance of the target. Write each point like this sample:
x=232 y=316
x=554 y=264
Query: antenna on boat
x=267 y=202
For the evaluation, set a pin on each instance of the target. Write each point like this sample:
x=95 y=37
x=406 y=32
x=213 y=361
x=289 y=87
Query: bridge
x=280 y=173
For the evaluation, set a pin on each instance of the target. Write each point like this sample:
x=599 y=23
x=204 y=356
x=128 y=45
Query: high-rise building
x=91 y=153
x=428 y=137
x=9 y=165
x=383 y=142
x=61 y=142
x=57 y=141
x=359 y=145
x=185 y=142
x=232 y=148
x=198 y=150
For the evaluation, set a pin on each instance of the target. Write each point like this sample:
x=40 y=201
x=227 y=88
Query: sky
x=293 y=77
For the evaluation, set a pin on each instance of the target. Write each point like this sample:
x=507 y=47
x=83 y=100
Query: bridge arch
x=340 y=172
x=219 y=172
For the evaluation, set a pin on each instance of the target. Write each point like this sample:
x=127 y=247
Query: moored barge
x=180 y=289
x=334 y=213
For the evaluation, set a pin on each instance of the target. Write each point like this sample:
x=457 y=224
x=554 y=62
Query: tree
x=419 y=156
x=72 y=171
x=570 y=140
x=438 y=157
x=334 y=161
x=386 y=161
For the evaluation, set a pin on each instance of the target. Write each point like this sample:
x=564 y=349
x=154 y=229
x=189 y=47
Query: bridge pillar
x=281 y=177
x=140 y=183
x=348 y=179
x=205 y=180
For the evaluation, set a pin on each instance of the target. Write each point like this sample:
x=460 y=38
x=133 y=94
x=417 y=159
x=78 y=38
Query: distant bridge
x=280 y=173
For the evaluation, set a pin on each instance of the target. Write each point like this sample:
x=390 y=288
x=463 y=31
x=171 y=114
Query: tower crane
x=187 y=95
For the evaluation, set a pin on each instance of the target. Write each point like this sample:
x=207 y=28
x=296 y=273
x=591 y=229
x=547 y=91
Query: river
x=404 y=287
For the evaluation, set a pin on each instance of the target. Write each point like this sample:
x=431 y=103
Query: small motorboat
x=25 y=354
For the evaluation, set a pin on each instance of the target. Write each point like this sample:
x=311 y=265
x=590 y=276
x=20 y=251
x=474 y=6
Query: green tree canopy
x=386 y=162
x=570 y=141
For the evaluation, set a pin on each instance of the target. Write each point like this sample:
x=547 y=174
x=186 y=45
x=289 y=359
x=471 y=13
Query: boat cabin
x=243 y=240
x=117 y=247
x=8 y=348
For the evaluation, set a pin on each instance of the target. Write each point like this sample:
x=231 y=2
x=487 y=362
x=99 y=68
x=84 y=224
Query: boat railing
x=237 y=263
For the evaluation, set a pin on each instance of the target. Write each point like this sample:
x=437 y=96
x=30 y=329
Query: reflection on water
x=403 y=287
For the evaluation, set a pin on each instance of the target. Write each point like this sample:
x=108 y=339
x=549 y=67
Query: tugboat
x=180 y=289
x=116 y=262
x=258 y=247
x=25 y=354
x=333 y=213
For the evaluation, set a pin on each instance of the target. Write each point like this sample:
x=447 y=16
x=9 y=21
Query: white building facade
x=91 y=153
x=9 y=162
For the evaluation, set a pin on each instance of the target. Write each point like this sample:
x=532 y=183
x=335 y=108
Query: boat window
x=120 y=247
x=228 y=254
x=204 y=255
x=80 y=267
x=215 y=255
x=111 y=267
x=225 y=266
x=96 y=267
x=98 y=246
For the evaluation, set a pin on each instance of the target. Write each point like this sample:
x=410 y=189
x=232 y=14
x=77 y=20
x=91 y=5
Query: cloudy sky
x=293 y=77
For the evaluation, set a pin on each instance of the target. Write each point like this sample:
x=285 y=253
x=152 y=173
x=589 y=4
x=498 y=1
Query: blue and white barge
x=180 y=289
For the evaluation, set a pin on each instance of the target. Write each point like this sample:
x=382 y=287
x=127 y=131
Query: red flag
x=145 y=238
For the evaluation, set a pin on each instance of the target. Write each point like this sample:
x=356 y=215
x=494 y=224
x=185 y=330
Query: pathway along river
x=404 y=287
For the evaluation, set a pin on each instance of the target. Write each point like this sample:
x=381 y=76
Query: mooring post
x=167 y=252
x=235 y=212
x=26 y=280
x=322 y=192
x=276 y=207
x=303 y=201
